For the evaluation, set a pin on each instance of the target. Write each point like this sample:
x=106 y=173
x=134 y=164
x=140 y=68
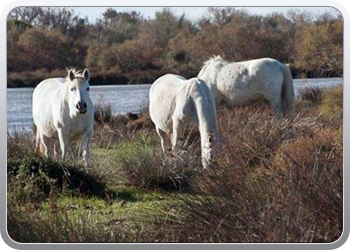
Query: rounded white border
x=7 y=5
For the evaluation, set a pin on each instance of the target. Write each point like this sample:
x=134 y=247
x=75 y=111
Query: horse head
x=78 y=90
x=208 y=151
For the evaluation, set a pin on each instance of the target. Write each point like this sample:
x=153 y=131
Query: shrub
x=103 y=112
x=311 y=94
x=146 y=167
x=332 y=103
x=32 y=175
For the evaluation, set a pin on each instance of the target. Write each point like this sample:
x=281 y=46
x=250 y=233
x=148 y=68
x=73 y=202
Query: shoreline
x=114 y=84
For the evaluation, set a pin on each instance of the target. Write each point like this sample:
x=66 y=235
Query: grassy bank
x=273 y=181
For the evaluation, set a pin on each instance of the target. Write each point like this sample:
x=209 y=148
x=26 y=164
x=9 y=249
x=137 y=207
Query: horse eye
x=72 y=89
x=88 y=89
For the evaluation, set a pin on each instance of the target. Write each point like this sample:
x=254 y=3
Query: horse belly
x=44 y=123
x=48 y=130
x=238 y=99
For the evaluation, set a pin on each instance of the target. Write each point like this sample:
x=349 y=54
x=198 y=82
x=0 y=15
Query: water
x=123 y=99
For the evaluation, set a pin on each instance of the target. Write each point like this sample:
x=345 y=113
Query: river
x=122 y=98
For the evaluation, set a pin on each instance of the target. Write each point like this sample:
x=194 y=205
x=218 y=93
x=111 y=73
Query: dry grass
x=274 y=180
x=311 y=94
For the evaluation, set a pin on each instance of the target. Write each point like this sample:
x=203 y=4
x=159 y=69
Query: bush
x=146 y=167
x=332 y=103
x=103 y=112
x=33 y=175
x=311 y=94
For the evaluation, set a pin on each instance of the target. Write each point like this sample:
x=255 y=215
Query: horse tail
x=287 y=94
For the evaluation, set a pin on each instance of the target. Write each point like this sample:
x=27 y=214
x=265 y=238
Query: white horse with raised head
x=175 y=102
x=239 y=83
x=62 y=109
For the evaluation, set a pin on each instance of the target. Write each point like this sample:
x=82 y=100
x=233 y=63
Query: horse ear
x=71 y=75
x=86 y=74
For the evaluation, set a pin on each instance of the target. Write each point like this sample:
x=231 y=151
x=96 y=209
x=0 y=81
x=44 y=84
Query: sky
x=194 y=13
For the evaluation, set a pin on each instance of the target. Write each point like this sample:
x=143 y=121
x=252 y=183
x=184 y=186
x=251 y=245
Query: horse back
x=47 y=88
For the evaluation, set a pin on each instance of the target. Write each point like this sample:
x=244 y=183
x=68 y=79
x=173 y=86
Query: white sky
x=94 y=13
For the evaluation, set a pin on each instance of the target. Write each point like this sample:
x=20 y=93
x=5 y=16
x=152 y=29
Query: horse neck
x=207 y=118
x=209 y=74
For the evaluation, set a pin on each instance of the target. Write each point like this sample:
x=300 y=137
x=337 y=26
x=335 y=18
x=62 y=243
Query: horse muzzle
x=81 y=107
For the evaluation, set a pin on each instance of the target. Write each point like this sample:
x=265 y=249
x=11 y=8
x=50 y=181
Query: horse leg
x=37 y=141
x=278 y=107
x=86 y=148
x=177 y=131
x=276 y=103
x=45 y=142
x=163 y=140
x=63 y=139
x=55 y=149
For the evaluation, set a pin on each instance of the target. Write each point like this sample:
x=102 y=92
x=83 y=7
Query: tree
x=140 y=53
x=47 y=49
x=319 y=48
x=28 y=15
x=165 y=26
x=116 y=27
x=221 y=16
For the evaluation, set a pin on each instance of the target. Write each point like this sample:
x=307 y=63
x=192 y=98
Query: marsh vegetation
x=274 y=180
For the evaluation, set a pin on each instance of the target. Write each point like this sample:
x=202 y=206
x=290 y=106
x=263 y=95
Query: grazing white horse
x=242 y=82
x=62 y=109
x=175 y=102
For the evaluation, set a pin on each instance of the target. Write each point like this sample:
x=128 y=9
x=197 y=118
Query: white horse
x=239 y=83
x=175 y=102
x=62 y=109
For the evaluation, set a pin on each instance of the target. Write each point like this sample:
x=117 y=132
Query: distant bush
x=332 y=103
x=125 y=47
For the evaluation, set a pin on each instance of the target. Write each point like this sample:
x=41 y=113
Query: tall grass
x=274 y=180
x=145 y=166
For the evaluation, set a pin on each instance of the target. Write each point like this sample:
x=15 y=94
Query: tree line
x=126 y=48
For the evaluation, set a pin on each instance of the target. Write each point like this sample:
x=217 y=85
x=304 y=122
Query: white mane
x=77 y=73
x=214 y=58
